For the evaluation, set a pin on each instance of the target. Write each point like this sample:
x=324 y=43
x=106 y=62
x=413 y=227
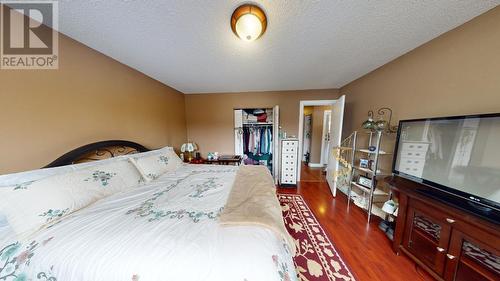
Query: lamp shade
x=189 y=147
x=248 y=22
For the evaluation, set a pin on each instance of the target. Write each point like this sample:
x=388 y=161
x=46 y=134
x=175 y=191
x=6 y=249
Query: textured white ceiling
x=309 y=44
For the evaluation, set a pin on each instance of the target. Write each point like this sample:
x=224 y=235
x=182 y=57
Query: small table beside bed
x=141 y=215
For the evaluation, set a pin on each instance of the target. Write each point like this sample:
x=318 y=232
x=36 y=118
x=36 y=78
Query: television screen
x=457 y=154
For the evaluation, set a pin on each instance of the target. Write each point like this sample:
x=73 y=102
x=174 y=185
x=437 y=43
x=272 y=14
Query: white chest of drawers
x=412 y=159
x=289 y=159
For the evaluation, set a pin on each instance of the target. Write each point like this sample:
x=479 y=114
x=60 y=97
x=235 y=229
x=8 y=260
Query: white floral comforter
x=166 y=230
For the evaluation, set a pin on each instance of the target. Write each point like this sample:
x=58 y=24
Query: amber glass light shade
x=248 y=22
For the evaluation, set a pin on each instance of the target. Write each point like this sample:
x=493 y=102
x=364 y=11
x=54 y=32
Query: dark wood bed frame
x=98 y=151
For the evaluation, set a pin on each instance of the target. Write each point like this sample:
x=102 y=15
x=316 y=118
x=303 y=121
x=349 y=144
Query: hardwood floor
x=365 y=248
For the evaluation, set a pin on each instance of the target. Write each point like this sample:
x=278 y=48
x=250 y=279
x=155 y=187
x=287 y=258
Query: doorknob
x=440 y=249
x=450 y=256
x=450 y=220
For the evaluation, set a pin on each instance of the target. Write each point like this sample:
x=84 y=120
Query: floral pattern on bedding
x=201 y=189
x=101 y=176
x=23 y=185
x=53 y=214
x=14 y=259
x=196 y=216
x=150 y=210
x=152 y=176
x=282 y=268
x=163 y=159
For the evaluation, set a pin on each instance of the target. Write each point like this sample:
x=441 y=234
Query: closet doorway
x=256 y=133
x=324 y=135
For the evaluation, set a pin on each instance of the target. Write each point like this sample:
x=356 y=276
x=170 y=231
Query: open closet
x=256 y=137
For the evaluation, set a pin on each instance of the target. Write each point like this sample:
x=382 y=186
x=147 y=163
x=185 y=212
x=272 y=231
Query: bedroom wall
x=210 y=119
x=91 y=97
x=454 y=74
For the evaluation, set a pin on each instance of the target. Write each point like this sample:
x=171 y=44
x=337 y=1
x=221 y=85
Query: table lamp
x=189 y=147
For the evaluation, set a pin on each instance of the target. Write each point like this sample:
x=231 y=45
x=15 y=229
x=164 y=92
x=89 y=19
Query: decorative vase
x=368 y=124
x=381 y=125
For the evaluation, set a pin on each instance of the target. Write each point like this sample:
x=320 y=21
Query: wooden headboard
x=98 y=151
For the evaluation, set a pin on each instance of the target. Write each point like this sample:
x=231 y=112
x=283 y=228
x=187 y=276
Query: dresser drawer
x=409 y=167
x=288 y=159
x=288 y=178
x=288 y=168
x=289 y=149
x=413 y=154
x=287 y=144
x=289 y=181
x=414 y=162
x=415 y=146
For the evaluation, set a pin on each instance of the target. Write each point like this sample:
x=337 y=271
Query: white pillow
x=27 y=176
x=31 y=206
x=153 y=166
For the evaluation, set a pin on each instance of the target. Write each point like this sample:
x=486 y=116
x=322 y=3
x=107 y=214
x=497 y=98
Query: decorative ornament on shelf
x=369 y=124
x=385 y=125
x=189 y=147
x=381 y=124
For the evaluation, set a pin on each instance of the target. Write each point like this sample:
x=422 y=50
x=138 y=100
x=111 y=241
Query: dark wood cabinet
x=473 y=257
x=447 y=242
x=427 y=235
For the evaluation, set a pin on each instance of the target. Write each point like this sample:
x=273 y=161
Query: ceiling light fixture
x=248 y=22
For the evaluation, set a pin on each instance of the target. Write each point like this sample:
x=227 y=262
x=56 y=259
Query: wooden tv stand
x=447 y=242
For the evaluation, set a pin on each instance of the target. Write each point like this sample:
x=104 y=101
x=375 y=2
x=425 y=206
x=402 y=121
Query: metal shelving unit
x=375 y=139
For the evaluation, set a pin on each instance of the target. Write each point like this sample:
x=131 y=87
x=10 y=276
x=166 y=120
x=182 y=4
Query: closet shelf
x=257 y=123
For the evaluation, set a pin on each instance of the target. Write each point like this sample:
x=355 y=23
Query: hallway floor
x=365 y=248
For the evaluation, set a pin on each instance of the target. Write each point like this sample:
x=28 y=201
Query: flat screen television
x=457 y=156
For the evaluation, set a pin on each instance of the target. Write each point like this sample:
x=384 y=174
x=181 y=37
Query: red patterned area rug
x=316 y=258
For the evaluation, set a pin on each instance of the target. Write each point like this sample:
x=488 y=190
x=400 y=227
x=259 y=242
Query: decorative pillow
x=26 y=176
x=153 y=166
x=31 y=206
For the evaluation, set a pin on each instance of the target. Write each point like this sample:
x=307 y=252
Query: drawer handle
x=440 y=249
x=450 y=256
x=450 y=220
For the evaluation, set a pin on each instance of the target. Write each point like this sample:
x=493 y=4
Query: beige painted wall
x=210 y=116
x=318 y=114
x=454 y=74
x=46 y=113
x=457 y=73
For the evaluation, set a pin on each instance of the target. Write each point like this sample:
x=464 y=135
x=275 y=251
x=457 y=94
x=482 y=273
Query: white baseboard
x=315 y=165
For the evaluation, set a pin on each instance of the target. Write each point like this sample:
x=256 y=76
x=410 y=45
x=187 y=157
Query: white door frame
x=327 y=120
x=301 y=125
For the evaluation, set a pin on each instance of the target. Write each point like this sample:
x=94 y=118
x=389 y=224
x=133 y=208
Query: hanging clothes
x=256 y=141
x=262 y=148
x=246 y=138
x=270 y=141
x=251 y=141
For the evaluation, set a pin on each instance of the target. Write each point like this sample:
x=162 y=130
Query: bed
x=139 y=223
